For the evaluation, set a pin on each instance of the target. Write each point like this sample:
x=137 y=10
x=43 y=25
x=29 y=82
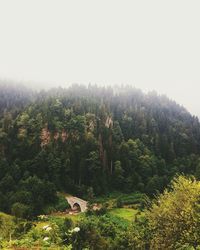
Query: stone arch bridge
x=76 y=202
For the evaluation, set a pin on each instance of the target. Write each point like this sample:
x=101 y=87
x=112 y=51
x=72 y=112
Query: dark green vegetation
x=88 y=142
x=117 y=148
x=171 y=221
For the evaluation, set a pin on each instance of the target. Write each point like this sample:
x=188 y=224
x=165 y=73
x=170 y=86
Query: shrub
x=174 y=218
x=62 y=204
x=20 y=210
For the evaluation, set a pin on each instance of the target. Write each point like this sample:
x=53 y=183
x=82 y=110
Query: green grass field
x=128 y=214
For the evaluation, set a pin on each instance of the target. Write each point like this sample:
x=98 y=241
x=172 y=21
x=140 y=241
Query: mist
x=152 y=45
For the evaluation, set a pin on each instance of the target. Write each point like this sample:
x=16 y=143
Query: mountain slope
x=81 y=139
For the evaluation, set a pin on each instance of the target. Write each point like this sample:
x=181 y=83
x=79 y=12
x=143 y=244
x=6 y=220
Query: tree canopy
x=92 y=137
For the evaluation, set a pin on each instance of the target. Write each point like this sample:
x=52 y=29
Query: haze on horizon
x=153 y=45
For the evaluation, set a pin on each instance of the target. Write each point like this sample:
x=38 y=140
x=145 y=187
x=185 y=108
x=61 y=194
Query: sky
x=152 y=45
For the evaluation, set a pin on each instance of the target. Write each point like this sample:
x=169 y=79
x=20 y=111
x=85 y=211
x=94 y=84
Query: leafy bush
x=62 y=204
x=174 y=217
x=99 y=232
x=20 y=210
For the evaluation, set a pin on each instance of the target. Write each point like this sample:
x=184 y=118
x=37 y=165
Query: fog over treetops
x=151 y=45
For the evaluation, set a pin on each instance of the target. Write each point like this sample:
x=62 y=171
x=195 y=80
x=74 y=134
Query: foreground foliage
x=171 y=222
x=174 y=218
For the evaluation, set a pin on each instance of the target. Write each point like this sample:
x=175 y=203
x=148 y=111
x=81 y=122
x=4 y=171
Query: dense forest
x=84 y=140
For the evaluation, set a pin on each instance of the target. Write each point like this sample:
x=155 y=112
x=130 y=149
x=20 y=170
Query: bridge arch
x=76 y=207
x=77 y=203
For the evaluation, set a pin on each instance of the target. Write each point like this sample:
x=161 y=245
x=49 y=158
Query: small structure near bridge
x=77 y=203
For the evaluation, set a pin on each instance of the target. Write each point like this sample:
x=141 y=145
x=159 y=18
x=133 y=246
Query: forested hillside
x=90 y=139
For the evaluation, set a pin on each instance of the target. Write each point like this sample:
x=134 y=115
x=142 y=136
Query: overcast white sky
x=154 y=45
